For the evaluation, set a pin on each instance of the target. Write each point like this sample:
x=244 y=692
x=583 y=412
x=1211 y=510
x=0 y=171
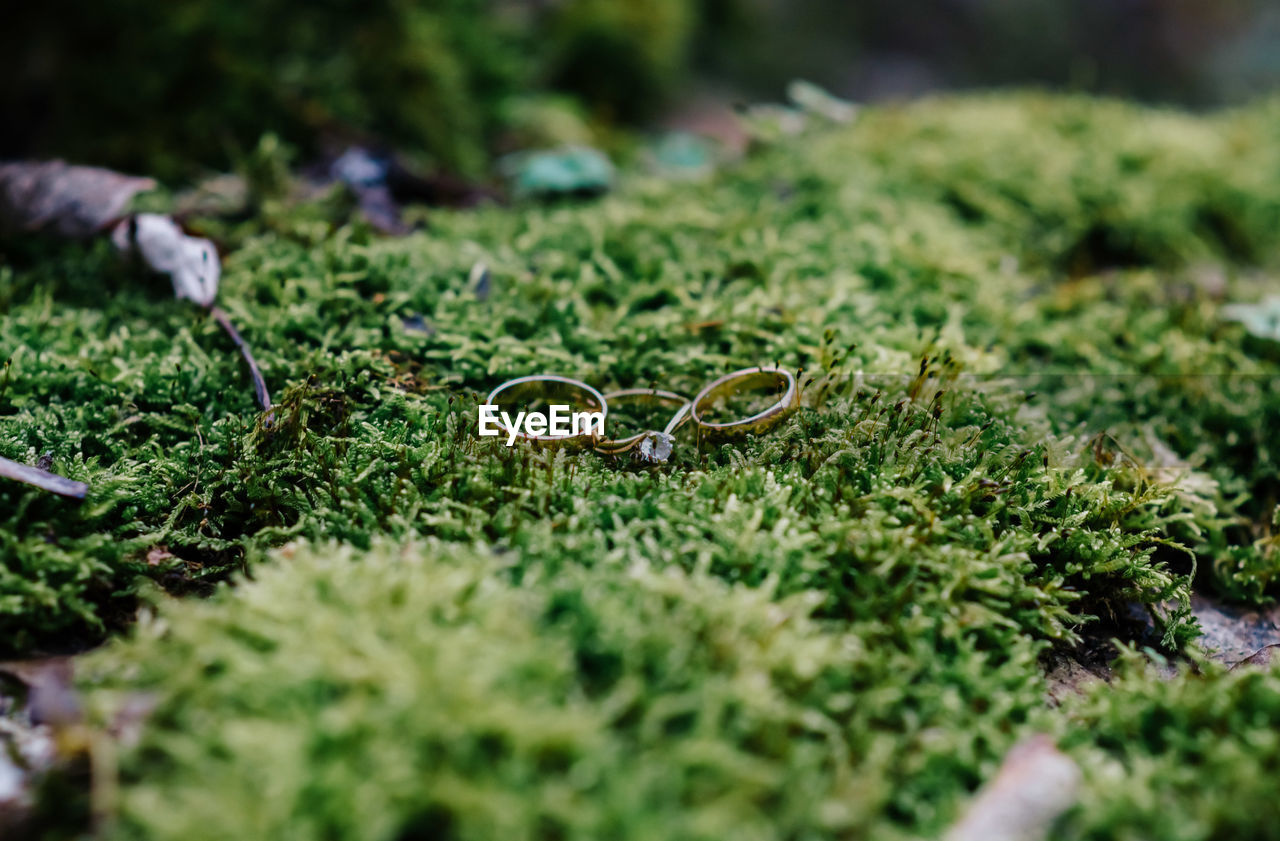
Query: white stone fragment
x=191 y=262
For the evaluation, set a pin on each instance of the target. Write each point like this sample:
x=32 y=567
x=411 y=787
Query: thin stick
x=259 y=384
x=43 y=479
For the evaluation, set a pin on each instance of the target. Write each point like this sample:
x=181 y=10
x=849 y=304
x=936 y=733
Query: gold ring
x=651 y=445
x=544 y=387
x=746 y=380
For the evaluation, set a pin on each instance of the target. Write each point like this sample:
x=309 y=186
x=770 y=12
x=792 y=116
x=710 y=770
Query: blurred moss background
x=160 y=87
x=168 y=88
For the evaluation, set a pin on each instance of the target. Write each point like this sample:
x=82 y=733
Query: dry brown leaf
x=1261 y=658
x=72 y=201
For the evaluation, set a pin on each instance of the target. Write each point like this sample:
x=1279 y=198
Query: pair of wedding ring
x=656 y=445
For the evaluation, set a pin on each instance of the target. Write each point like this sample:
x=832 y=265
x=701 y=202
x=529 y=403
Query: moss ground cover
x=592 y=703
x=1028 y=425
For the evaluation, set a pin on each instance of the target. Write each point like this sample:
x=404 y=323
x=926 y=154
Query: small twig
x=43 y=479
x=259 y=384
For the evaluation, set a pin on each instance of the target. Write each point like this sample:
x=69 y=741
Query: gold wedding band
x=746 y=380
x=547 y=387
x=650 y=445
x=659 y=443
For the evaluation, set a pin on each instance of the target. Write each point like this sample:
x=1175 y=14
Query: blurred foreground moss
x=1186 y=758
x=417 y=692
x=432 y=691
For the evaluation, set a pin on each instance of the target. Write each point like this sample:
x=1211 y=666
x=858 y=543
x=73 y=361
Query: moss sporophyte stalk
x=833 y=630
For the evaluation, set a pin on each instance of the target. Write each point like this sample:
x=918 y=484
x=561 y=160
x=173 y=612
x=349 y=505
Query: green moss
x=622 y=58
x=845 y=259
x=138 y=86
x=1180 y=759
x=430 y=689
x=421 y=690
x=197 y=87
x=1028 y=418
